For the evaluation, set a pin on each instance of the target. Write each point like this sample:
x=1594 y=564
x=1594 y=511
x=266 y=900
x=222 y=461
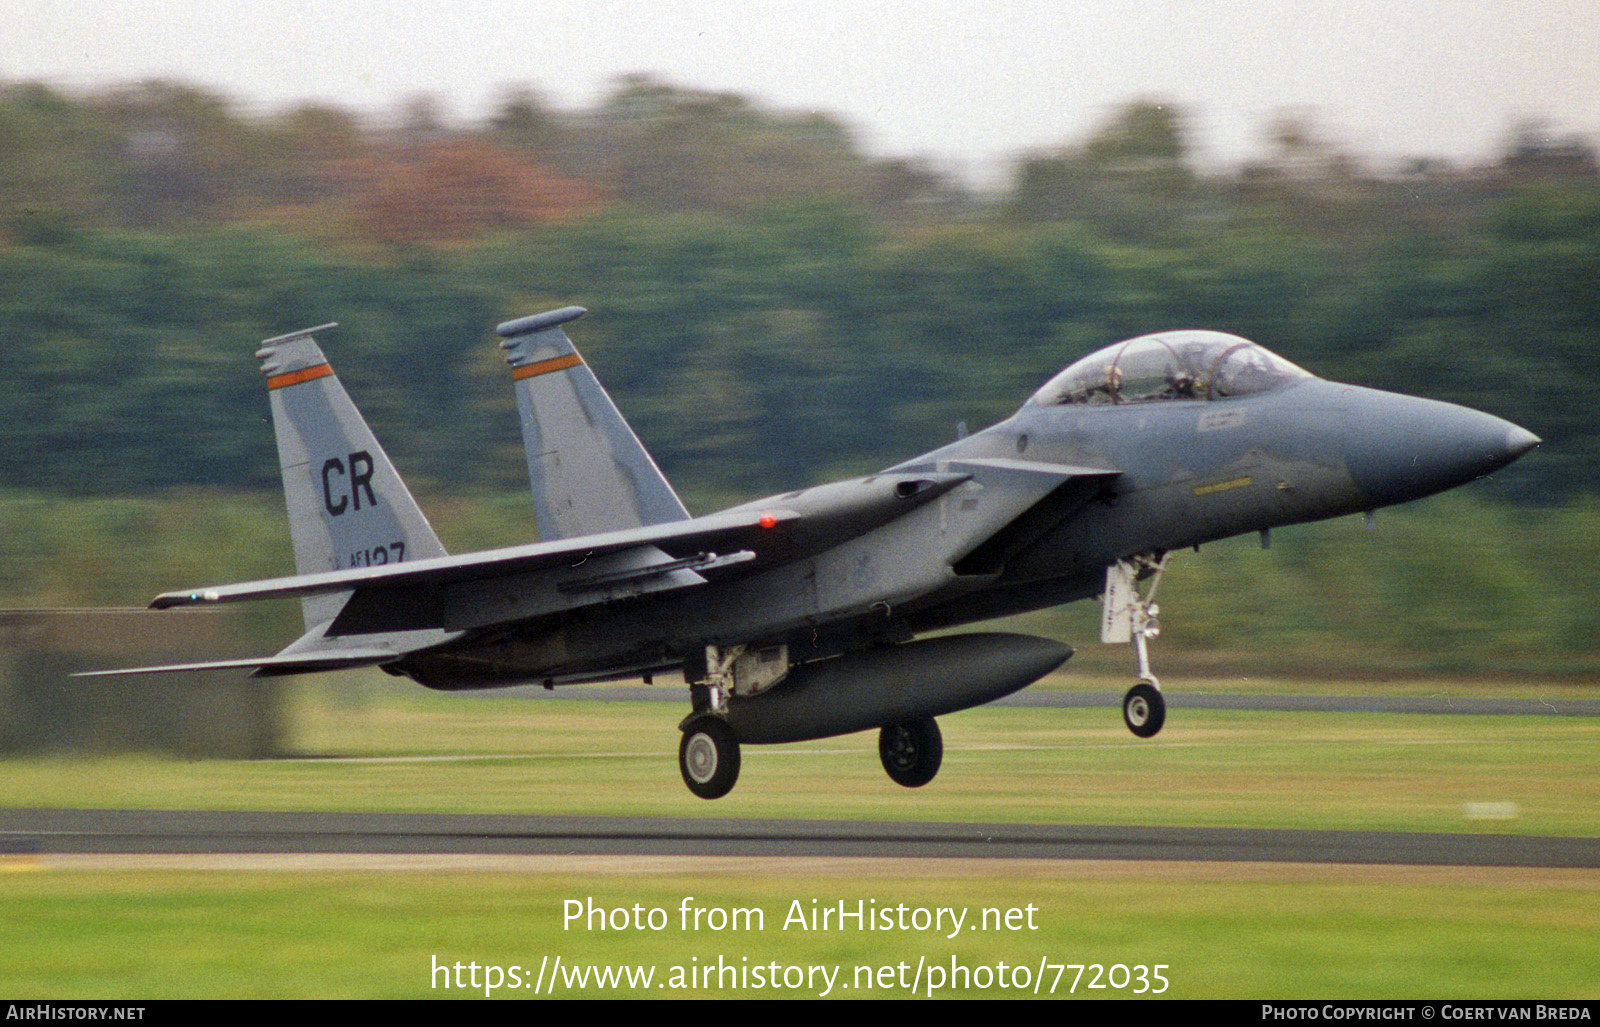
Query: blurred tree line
x=770 y=306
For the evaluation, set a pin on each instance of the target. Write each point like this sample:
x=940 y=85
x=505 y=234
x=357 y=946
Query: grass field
x=535 y=755
x=1256 y=932
x=1222 y=930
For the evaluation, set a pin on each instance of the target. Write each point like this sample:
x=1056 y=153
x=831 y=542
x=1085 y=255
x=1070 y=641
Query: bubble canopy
x=1183 y=365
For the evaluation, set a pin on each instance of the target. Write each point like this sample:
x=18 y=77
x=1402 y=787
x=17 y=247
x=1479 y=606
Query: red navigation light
x=768 y=521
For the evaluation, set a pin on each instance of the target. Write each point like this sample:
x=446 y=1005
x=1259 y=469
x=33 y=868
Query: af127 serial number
x=377 y=556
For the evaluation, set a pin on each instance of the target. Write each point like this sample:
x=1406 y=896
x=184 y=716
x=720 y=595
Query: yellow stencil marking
x=1222 y=486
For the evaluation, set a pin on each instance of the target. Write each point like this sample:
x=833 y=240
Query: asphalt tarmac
x=61 y=831
x=70 y=831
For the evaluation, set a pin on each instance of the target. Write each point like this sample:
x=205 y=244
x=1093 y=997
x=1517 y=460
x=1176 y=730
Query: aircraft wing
x=499 y=586
x=716 y=530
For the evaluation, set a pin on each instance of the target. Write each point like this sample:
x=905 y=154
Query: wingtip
x=168 y=600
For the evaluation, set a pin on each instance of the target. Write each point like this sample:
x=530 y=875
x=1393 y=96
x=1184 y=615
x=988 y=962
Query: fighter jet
x=798 y=616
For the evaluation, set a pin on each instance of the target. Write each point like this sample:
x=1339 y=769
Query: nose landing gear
x=1128 y=617
x=1143 y=710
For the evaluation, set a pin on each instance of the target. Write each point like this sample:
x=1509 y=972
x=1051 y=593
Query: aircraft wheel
x=1143 y=710
x=708 y=756
x=911 y=752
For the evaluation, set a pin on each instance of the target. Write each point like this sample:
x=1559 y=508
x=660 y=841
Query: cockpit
x=1189 y=365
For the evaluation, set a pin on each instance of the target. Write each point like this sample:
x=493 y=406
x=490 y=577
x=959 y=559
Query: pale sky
x=954 y=80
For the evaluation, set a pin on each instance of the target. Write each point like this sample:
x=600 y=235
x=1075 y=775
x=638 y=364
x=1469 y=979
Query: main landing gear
x=708 y=756
x=1131 y=617
x=911 y=752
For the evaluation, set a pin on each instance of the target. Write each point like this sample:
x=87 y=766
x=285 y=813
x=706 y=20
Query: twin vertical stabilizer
x=588 y=471
x=349 y=508
x=347 y=504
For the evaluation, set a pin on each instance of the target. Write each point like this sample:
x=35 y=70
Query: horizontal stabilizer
x=266 y=666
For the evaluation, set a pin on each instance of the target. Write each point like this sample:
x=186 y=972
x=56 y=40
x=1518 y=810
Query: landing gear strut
x=911 y=752
x=708 y=757
x=1131 y=617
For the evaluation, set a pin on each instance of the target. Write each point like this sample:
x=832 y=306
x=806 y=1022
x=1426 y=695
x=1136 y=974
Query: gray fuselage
x=1004 y=536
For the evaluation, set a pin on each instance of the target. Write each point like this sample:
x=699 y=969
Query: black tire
x=708 y=757
x=911 y=752
x=1144 y=710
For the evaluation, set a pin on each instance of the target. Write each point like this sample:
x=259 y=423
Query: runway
x=61 y=831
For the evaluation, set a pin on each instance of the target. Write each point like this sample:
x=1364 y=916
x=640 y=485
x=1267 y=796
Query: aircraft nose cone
x=1401 y=447
x=1519 y=440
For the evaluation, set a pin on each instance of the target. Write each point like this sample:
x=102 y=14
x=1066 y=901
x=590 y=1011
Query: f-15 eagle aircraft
x=796 y=616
